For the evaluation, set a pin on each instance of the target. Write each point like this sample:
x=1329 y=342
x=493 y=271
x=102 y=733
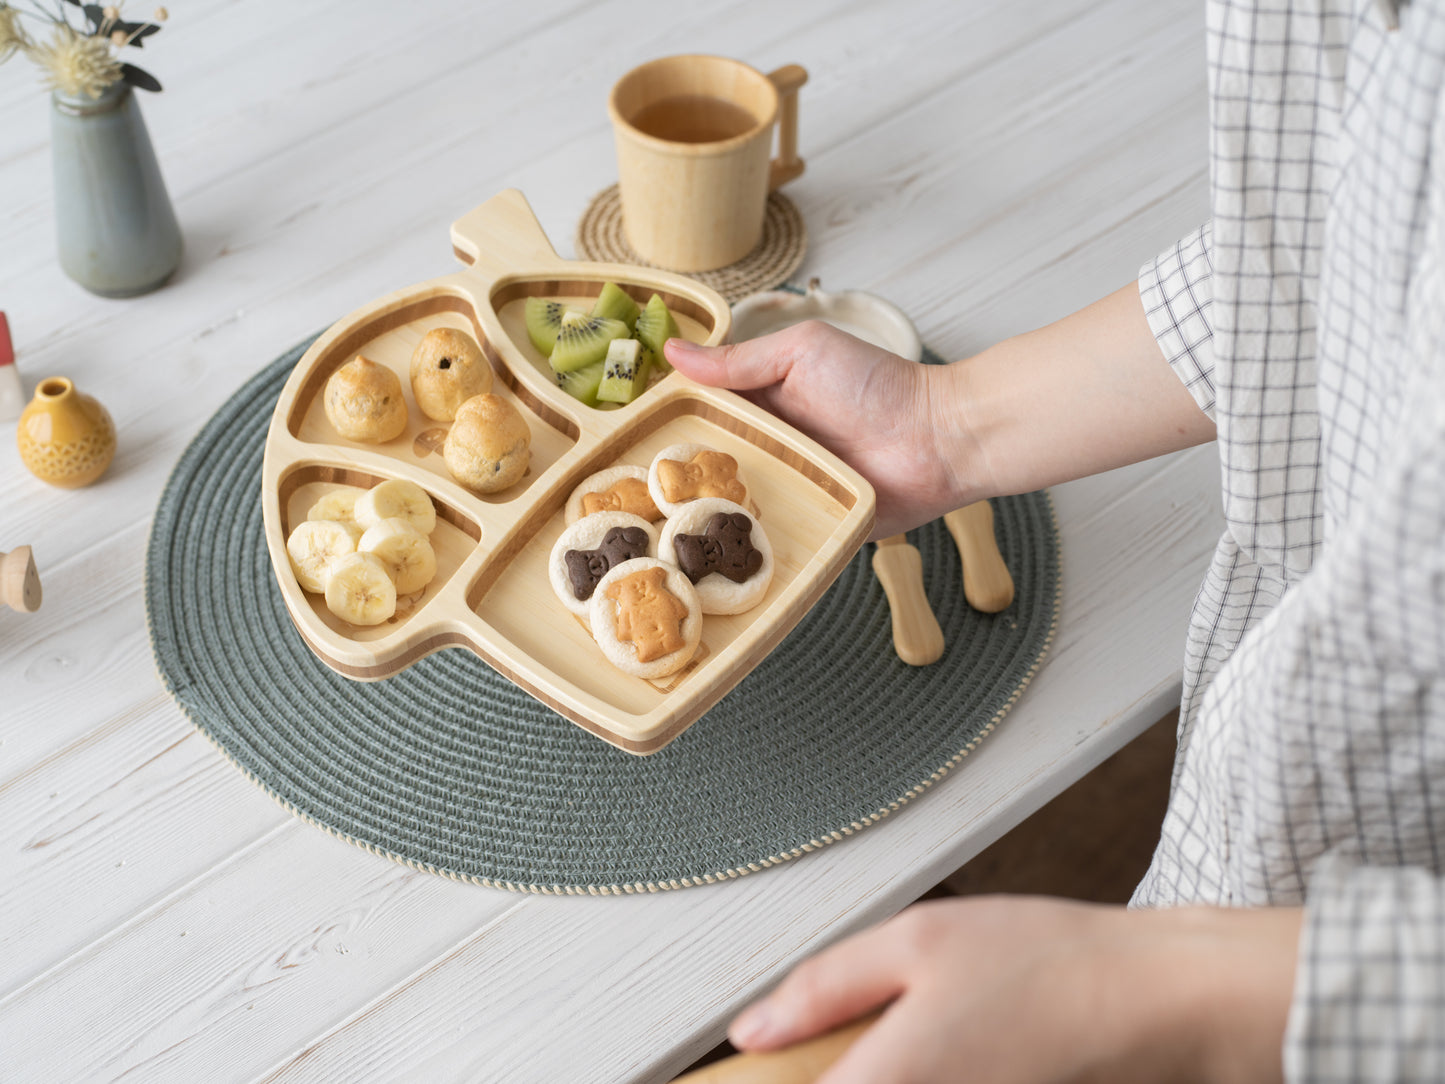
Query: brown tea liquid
x=693 y=118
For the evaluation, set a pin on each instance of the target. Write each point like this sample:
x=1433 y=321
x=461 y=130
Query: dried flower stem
x=76 y=61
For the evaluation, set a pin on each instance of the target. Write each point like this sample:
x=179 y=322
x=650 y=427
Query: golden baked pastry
x=489 y=445
x=447 y=369
x=364 y=402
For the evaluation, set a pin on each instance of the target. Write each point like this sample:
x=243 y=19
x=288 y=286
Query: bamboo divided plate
x=491 y=593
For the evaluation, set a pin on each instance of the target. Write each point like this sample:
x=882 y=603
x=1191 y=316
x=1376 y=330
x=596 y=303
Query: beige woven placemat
x=600 y=237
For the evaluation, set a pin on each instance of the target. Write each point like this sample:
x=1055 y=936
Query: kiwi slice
x=614 y=303
x=544 y=320
x=582 y=384
x=583 y=340
x=625 y=371
x=654 y=327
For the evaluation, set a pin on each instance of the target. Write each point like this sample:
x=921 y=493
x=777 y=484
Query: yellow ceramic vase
x=66 y=438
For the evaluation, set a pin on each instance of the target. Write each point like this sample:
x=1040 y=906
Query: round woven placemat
x=449 y=767
x=785 y=241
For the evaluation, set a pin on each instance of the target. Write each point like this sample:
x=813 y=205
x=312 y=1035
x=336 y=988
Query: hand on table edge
x=1003 y=989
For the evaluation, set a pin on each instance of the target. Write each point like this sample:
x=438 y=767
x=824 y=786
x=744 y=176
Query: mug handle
x=787 y=165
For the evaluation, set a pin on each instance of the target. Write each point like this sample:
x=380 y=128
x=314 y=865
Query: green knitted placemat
x=449 y=767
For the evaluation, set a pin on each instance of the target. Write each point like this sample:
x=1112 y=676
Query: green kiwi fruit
x=615 y=304
x=544 y=320
x=625 y=371
x=582 y=384
x=654 y=327
x=582 y=340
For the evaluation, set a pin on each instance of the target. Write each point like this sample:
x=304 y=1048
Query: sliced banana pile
x=363 y=549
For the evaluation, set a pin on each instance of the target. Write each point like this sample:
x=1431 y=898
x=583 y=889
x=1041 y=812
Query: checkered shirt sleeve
x=1177 y=295
x=1353 y=662
x=1309 y=319
x=1371 y=978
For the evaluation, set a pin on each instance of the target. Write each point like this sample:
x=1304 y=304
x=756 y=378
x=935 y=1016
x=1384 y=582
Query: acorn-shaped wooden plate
x=491 y=593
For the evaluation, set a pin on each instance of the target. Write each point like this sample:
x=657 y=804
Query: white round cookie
x=587 y=534
x=681 y=453
x=602 y=616
x=719 y=595
x=600 y=482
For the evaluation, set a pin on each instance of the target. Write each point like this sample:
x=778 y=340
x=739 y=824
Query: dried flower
x=12 y=34
x=75 y=64
x=80 y=60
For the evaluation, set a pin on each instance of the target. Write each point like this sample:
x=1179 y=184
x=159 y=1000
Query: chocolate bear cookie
x=586 y=551
x=722 y=550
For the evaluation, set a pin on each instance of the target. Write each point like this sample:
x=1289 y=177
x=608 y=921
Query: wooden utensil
x=492 y=594
x=986 y=581
x=899 y=568
x=19 y=581
x=801 y=1063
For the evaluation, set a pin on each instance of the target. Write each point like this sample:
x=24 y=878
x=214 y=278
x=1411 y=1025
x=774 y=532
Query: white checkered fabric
x=1307 y=320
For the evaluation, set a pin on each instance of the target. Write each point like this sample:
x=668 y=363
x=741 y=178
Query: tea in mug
x=693 y=118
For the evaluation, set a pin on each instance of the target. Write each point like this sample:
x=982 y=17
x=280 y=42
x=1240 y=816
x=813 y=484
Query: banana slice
x=407 y=554
x=360 y=591
x=396 y=497
x=339 y=505
x=314 y=548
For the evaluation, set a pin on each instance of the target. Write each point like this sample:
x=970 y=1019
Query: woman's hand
x=1086 y=393
x=1027 y=989
x=876 y=411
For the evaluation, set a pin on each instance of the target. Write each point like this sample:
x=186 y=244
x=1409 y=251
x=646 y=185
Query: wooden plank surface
x=987 y=167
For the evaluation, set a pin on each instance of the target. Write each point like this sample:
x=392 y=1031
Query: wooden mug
x=693 y=138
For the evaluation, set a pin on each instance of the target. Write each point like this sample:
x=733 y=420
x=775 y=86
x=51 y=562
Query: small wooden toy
x=19 y=581
x=12 y=395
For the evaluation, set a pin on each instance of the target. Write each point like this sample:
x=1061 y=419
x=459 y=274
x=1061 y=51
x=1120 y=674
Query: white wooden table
x=990 y=167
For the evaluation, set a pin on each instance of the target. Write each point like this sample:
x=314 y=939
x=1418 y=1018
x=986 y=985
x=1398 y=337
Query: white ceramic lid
x=863 y=315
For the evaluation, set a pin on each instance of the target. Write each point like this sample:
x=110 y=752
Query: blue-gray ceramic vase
x=114 y=222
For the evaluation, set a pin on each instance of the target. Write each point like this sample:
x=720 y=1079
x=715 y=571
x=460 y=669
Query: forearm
x=1028 y=988
x=1216 y=989
x=1087 y=393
